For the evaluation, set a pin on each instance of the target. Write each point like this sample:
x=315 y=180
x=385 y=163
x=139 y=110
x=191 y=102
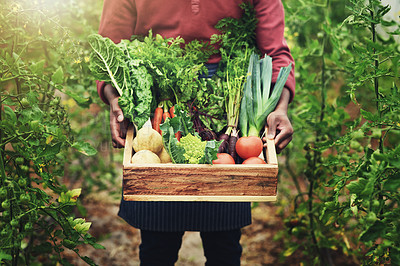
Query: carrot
x=231 y=146
x=165 y=115
x=224 y=145
x=158 y=114
x=178 y=134
x=172 y=111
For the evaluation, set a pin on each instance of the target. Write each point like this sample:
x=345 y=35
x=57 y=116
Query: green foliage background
x=343 y=160
x=339 y=177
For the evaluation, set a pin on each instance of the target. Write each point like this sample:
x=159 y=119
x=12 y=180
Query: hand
x=279 y=126
x=118 y=125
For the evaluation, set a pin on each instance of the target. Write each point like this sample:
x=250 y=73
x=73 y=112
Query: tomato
x=5 y=204
x=24 y=102
x=14 y=223
x=24 y=198
x=3 y=193
x=19 y=160
x=224 y=158
x=247 y=147
x=22 y=182
x=28 y=226
x=254 y=160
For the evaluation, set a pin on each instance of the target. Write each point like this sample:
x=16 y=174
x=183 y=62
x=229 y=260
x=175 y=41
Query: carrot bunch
x=164 y=110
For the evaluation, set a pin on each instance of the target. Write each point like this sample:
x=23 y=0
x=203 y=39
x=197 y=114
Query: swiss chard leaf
x=113 y=63
x=175 y=151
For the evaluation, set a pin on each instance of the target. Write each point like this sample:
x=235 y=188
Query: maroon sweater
x=195 y=19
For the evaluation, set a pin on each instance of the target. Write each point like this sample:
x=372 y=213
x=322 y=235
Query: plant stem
x=376 y=79
x=2 y=149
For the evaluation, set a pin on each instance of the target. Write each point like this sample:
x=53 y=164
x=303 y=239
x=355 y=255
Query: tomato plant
x=36 y=139
x=346 y=134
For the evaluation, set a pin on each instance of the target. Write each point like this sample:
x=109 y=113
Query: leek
x=258 y=101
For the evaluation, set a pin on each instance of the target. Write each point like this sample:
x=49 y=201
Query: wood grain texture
x=199 y=198
x=271 y=151
x=128 y=145
x=198 y=182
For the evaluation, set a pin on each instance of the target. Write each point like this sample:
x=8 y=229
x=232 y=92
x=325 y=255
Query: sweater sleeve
x=118 y=21
x=270 y=38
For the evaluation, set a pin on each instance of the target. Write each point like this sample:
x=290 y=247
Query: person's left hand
x=279 y=126
x=280 y=129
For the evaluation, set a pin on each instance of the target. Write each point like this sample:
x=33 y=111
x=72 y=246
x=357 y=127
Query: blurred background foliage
x=339 y=178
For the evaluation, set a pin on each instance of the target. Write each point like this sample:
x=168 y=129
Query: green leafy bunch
x=173 y=64
x=113 y=64
x=148 y=69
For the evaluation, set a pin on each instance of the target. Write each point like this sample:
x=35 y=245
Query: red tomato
x=247 y=147
x=254 y=160
x=224 y=158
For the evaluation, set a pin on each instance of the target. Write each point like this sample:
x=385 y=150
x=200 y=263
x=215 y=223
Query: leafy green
x=112 y=63
x=209 y=104
x=237 y=41
x=173 y=64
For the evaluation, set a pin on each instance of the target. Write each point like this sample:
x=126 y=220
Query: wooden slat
x=199 y=198
x=271 y=152
x=210 y=180
x=128 y=146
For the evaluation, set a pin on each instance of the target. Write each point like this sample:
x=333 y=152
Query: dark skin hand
x=279 y=126
x=118 y=125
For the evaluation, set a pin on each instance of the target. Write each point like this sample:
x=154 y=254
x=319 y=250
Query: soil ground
x=122 y=241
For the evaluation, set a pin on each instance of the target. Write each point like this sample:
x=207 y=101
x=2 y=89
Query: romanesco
x=194 y=148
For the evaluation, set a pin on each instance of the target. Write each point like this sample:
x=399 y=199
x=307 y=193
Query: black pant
x=161 y=248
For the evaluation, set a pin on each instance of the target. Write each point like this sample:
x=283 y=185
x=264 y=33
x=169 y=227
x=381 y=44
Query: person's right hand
x=118 y=125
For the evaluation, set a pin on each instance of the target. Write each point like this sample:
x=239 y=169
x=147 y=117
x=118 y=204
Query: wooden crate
x=199 y=182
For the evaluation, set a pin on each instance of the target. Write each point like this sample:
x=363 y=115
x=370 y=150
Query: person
x=162 y=224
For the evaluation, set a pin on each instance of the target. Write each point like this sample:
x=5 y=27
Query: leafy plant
x=36 y=221
x=347 y=137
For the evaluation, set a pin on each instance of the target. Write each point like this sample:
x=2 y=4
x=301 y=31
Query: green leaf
x=368 y=115
x=289 y=251
x=392 y=184
x=357 y=186
x=98 y=246
x=171 y=143
x=10 y=115
x=70 y=196
x=38 y=67
x=50 y=151
x=88 y=260
x=210 y=152
x=84 y=148
x=83 y=228
x=373 y=232
x=4 y=256
x=394 y=255
x=81 y=101
x=58 y=76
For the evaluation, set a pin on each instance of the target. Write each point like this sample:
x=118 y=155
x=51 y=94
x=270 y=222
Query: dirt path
x=122 y=241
